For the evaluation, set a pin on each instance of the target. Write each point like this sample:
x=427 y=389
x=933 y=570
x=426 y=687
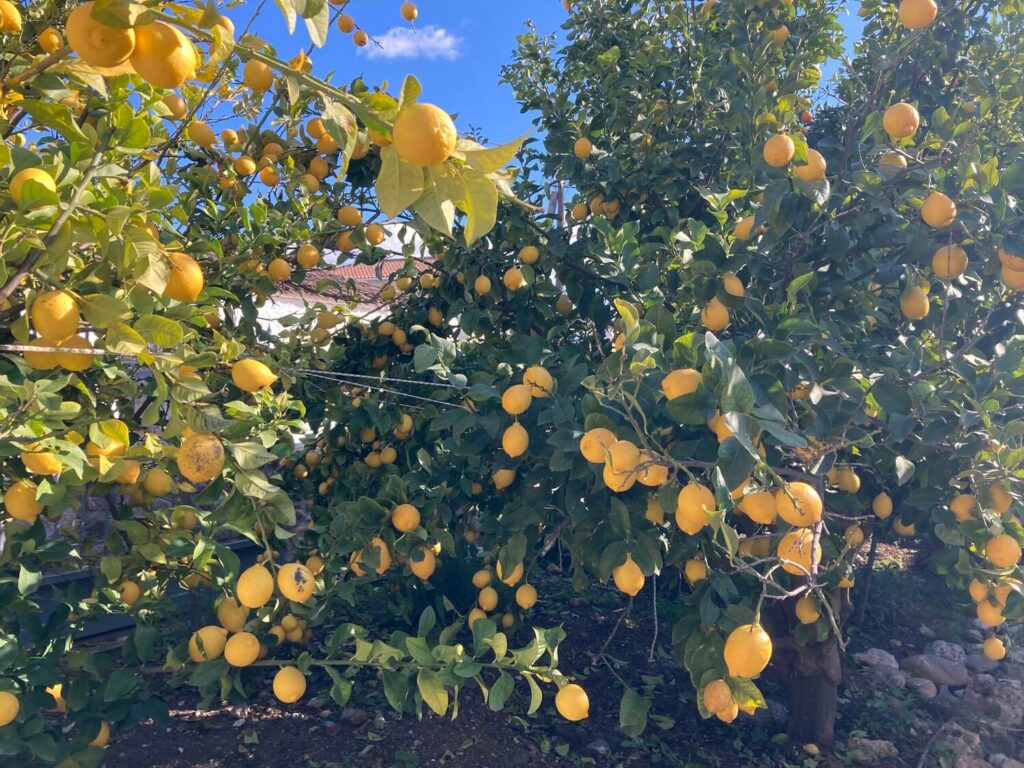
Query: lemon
x=807 y=609
x=20 y=501
x=279 y=270
x=914 y=303
x=360 y=38
x=163 y=56
x=207 y=643
x=384 y=557
x=623 y=458
x=258 y=76
x=780 y=35
x=242 y=649
x=41 y=462
x=481 y=578
x=513 y=578
x=130 y=592
x=255 y=586
x=201 y=458
x=813 y=169
x=715 y=315
x=992 y=647
x=962 y=506
x=917 y=14
x=582 y=148
x=796 y=549
x=176 y=106
x=409 y=11
x=540 y=381
x=37 y=175
x=405 y=518
x=375 y=235
x=296 y=582
x=513 y=279
x=185 y=281
x=901 y=121
x=516 y=399
x=251 y=375
x=202 y=134
x=778 y=150
x=733 y=285
x=526 y=596
x=10 y=19
x=628 y=577
x=55 y=315
x=231 y=614
x=717 y=696
x=1003 y=551
x=515 y=440
x=503 y=478
x=425 y=566
x=529 y=254
x=848 y=480
x=424 y=135
x=473 y=615
x=683 y=381
x=990 y=615
x=41 y=361
x=96 y=43
x=748 y=649
x=938 y=211
x=572 y=703
x=102 y=737
x=693 y=504
x=594 y=444
x=289 y=685
x=890 y=164
x=695 y=570
x=744 y=228
x=759 y=506
x=949 y=262
x=350 y=216
x=881 y=505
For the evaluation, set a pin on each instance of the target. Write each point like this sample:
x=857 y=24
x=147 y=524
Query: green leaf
x=435 y=205
x=399 y=184
x=120 y=683
x=341 y=687
x=735 y=462
x=28 y=581
x=104 y=311
x=536 y=695
x=428 y=620
x=411 y=90
x=54 y=115
x=208 y=672
x=160 y=331
x=500 y=691
x=433 y=691
x=250 y=455
x=633 y=711
x=318 y=23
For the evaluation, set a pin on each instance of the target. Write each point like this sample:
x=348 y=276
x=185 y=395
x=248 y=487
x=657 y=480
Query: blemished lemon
x=252 y=375
x=296 y=582
x=242 y=649
x=289 y=685
x=572 y=703
x=96 y=43
x=717 y=696
x=748 y=649
x=255 y=586
x=201 y=458
x=540 y=380
x=424 y=135
x=207 y=643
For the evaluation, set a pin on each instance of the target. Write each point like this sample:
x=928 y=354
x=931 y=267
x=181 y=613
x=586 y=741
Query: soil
x=319 y=734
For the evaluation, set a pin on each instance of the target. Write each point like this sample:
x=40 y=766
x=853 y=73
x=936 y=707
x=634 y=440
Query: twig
x=622 y=617
x=654 y=601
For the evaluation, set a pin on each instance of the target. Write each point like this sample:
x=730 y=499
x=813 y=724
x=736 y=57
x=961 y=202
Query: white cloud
x=428 y=42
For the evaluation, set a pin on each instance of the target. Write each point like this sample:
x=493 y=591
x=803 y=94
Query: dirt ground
x=367 y=734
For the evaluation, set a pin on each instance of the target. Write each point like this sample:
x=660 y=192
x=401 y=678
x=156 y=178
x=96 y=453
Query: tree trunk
x=811 y=675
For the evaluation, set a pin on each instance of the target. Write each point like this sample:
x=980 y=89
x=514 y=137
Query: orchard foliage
x=739 y=351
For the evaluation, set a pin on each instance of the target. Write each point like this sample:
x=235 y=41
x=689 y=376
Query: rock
x=1017 y=655
x=1008 y=762
x=599 y=747
x=983 y=682
x=997 y=760
x=1011 y=671
x=926 y=689
x=925 y=631
x=975 y=636
x=354 y=716
x=938 y=669
x=957 y=739
x=1008 y=697
x=876 y=657
x=971 y=761
x=950 y=651
x=894 y=677
x=317 y=702
x=979 y=662
x=870 y=751
x=998 y=742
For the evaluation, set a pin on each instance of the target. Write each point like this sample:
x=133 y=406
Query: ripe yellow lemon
x=540 y=381
x=594 y=444
x=759 y=506
x=748 y=649
x=572 y=703
x=346 y=23
x=1001 y=499
x=19 y=501
x=41 y=462
x=37 y=175
x=904 y=529
x=515 y=440
x=813 y=169
x=901 y=121
x=383 y=555
x=990 y=615
x=695 y=570
x=513 y=578
x=55 y=315
x=795 y=551
x=628 y=577
x=582 y=148
x=95 y=43
x=848 y=480
x=251 y=375
x=424 y=567
x=258 y=76
x=279 y=270
x=516 y=399
x=1011 y=261
x=881 y=505
x=231 y=614
x=163 y=56
x=255 y=586
x=503 y=478
x=890 y=164
x=778 y=150
x=130 y=592
x=41 y=361
x=651 y=473
x=799 y=504
x=962 y=507
x=938 y=211
x=71 y=360
x=1003 y=551
x=308 y=256
x=185 y=281
x=526 y=596
x=623 y=458
x=289 y=685
x=682 y=381
x=994 y=649
x=949 y=262
x=157 y=482
x=918 y=14
x=807 y=609
x=176 y=106
x=424 y=135
x=529 y=254
x=9 y=707
x=914 y=303
x=409 y=11
x=10 y=19
x=715 y=315
x=207 y=643
x=405 y=518
x=350 y=216
x=693 y=504
x=487 y=599
x=733 y=285
x=202 y=134
x=1012 y=278
x=744 y=228
x=201 y=458
x=242 y=649
x=717 y=696
x=481 y=578
x=513 y=279
x=780 y=35
x=296 y=582
x=977 y=590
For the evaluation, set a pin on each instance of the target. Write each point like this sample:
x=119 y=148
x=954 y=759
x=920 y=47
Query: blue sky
x=456 y=49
